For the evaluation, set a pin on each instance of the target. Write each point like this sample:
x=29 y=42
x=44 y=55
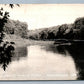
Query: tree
x=5 y=51
x=61 y=31
x=4 y=16
x=3 y=20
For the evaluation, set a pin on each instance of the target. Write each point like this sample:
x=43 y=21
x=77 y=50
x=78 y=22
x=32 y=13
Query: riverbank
x=27 y=42
x=20 y=42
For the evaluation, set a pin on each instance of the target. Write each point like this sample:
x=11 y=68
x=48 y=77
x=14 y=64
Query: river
x=37 y=62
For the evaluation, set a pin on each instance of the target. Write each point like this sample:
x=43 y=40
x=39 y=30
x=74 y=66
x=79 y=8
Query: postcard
x=41 y=42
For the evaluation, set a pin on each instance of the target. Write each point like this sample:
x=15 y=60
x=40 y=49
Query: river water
x=45 y=63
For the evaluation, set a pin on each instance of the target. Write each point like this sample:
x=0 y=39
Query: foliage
x=6 y=53
x=16 y=27
x=64 y=31
x=5 y=49
x=3 y=19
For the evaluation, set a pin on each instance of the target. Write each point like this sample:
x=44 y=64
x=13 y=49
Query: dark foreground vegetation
x=6 y=47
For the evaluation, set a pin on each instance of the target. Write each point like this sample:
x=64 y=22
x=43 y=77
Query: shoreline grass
x=20 y=42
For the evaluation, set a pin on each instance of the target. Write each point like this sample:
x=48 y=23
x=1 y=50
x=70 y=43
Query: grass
x=19 y=42
x=34 y=42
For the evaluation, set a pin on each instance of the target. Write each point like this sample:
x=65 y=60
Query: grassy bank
x=19 y=42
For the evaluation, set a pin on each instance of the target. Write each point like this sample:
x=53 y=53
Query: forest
x=18 y=28
x=64 y=31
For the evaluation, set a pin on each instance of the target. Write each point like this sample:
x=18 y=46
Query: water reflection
x=50 y=63
x=47 y=64
x=56 y=49
x=49 y=59
x=20 y=53
x=9 y=53
x=76 y=51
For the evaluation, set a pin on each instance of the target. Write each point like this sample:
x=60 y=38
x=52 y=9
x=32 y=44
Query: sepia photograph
x=41 y=42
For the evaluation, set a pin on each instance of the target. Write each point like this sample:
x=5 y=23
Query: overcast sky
x=46 y=15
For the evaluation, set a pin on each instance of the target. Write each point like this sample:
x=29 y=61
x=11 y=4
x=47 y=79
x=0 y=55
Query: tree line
x=64 y=31
x=16 y=27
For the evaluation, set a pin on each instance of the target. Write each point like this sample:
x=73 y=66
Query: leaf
x=11 y=5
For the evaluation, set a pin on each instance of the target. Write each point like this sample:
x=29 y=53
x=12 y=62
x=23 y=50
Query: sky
x=45 y=15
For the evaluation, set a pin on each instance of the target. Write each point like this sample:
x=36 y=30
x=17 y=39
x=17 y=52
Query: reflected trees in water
x=76 y=51
x=10 y=53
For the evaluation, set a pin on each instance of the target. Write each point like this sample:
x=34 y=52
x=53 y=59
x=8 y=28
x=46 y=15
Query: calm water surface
x=44 y=63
